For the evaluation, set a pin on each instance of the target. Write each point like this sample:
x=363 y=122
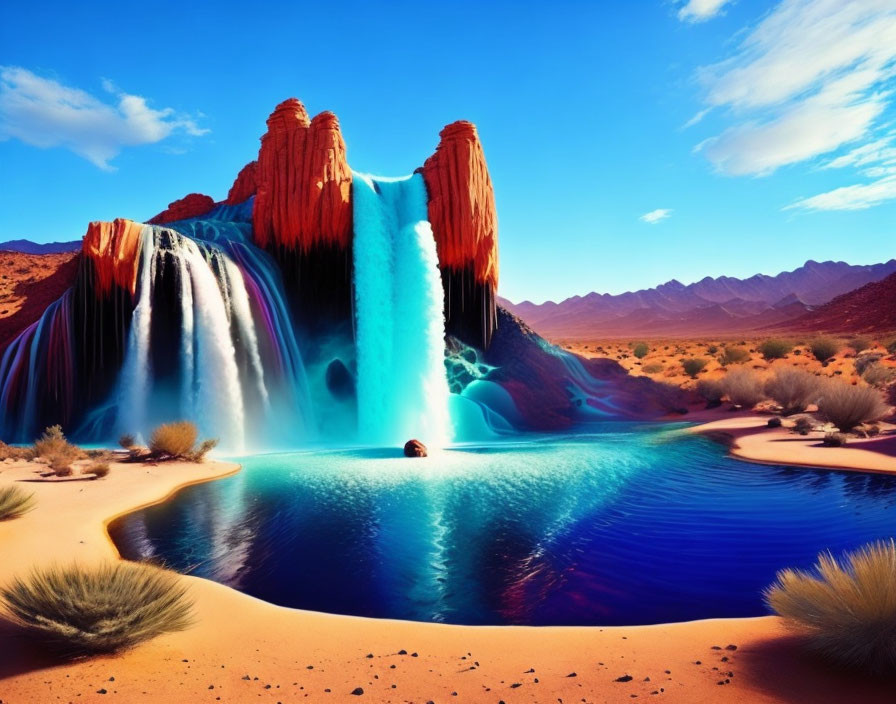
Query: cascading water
x=402 y=386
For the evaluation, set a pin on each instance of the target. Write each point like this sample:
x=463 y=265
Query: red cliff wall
x=245 y=185
x=190 y=206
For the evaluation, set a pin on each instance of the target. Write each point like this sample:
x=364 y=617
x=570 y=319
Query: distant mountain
x=29 y=247
x=709 y=306
x=871 y=308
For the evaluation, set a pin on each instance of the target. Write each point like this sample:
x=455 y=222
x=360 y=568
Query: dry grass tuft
x=178 y=441
x=847 y=406
x=15 y=453
x=15 y=502
x=743 y=388
x=83 y=611
x=846 y=610
x=793 y=390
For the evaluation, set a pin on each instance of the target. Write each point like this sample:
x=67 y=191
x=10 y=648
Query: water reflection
x=632 y=525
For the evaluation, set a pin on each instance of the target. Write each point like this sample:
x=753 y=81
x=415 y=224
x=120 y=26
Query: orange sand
x=245 y=650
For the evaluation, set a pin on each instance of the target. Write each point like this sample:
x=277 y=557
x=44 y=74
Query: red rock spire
x=303 y=197
x=114 y=249
x=462 y=204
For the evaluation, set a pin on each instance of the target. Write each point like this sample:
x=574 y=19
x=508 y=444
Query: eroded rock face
x=245 y=185
x=303 y=198
x=113 y=248
x=414 y=448
x=465 y=224
x=190 y=206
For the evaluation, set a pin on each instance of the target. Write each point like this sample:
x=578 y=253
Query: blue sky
x=629 y=142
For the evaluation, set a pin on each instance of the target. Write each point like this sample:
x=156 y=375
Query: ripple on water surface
x=630 y=525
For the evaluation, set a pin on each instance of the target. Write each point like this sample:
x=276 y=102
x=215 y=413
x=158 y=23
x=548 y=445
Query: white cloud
x=655 y=216
x=812 y=77
x=46 y=113
x=856 y=197
x=700 y=10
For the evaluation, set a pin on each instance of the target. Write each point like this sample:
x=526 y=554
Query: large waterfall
x=215 y=375
x=400 y=327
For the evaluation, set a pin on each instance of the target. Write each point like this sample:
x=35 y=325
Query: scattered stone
x=730 y=647
x=369 y=655
x=624 y=678
x=414 y=448
x=572 y=674
x=402 y=652
x=516 y=684
x=101 y=691
x=357 y=691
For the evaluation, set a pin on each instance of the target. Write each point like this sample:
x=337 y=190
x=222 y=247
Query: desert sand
x=245 y=650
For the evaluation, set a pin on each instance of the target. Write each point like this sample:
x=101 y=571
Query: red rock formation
x=190 y=206
x=304 y=182
x=245 y=185
x=114 y=249
x=462 y=204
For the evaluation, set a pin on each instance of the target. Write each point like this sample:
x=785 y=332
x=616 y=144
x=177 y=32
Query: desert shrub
x=845 y=610
x=127 y=441
x=204 y=448
x=693 y=366
x=61 y=465
x=835 y=439
x=15 y=502
x=712 y=349
x=98 y=469
x=803 y=425
x=774 y=422
x=98 y=610
x=846 y=406
x=775 y=349
x=863 y=361
x=859 y=343
x=15 y=453
x=174 y=439
x=53 y=446
x=878 y=375
x=823 y=348
x=711 y=391
x=743 y=388
x=640 y=350
x=178 y=441
x=793 y=390
x=733 y=355
x=652 y=368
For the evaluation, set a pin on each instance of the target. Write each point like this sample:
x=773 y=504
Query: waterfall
x=400 y=327
x=223 y=384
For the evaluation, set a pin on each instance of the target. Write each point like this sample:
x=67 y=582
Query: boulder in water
x=414 y=448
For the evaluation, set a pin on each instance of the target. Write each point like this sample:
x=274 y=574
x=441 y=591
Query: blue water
x=632 y=524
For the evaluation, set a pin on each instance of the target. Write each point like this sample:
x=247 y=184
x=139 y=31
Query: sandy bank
x=245 y=650
x=749 y=438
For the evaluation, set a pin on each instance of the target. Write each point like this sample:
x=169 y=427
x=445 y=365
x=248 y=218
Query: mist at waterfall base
x=634 y=524
x=212 y=340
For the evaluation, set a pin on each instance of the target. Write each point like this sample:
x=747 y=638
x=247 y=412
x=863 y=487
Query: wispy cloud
x=856 y=197
x=45 y=113
x=811 y=78
x=700 y=10
x=655 y=216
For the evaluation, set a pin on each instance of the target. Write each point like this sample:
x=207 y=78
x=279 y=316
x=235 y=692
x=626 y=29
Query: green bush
x=15 y=502
x=693 y=366
x=743 y=388
x=640 y=350
x=793 y=390
x=846 y=406
x=733 y=355
x=104 y=609
x=845 y=610
x=652 y=368
x=823 y=348
x=775 y=349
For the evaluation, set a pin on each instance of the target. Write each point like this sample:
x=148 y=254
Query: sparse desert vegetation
x=846 y=406
x=793 y=390
x=775 y=349
x=743 y=388
x=845 y=609
x=83 y=611
x=823 y=348
x=15 y=502
x=178 y=441
x=693 y=366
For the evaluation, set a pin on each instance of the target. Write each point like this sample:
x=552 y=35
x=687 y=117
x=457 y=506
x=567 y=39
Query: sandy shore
x=749 y=438
x=245 y=650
